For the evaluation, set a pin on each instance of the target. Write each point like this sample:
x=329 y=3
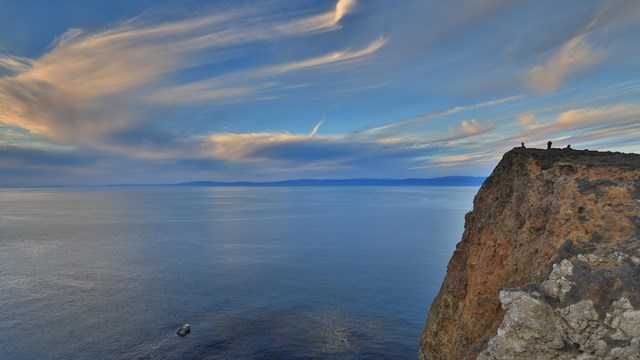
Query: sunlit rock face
x=548 y=265
x=546 y=325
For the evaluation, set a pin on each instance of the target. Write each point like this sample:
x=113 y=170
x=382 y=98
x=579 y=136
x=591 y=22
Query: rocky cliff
x=548 y=265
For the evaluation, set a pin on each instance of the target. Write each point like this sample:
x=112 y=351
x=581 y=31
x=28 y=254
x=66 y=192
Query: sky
x=114 y=91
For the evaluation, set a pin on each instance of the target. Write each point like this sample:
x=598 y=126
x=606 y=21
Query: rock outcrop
x=549 y=263
x=184 y=330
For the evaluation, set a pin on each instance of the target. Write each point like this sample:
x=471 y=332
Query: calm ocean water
x=259 y=273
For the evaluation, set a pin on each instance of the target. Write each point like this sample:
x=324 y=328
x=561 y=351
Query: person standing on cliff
x=549 y=145
x=522 y=145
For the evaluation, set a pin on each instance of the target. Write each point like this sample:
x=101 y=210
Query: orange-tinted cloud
x=90 y=85
x=575 y=55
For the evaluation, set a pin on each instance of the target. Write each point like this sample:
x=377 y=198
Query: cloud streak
x=15 y=64
x=322 y=22
x=316 y=128
x=585 y=119
x=574 y=56
x=201 y=95
x=284 y=149
x=90 y=85
x=238 y=83
x=435 y=115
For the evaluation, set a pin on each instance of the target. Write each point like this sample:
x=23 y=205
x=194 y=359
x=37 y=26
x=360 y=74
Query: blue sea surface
x=258 y=273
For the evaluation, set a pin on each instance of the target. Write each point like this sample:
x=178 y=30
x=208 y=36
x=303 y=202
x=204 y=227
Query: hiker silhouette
x=549 y=145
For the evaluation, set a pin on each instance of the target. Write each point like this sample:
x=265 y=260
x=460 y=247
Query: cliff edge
x=549 y=263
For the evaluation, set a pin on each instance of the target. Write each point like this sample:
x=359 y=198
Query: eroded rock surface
x=548 y=265
x=542 y=325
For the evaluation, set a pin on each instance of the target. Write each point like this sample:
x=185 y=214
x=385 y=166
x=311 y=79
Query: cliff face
x=553 y=244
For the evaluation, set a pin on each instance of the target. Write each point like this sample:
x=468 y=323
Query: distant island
x=439 y=181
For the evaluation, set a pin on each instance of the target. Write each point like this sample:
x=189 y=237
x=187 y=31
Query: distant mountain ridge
x=439 y=181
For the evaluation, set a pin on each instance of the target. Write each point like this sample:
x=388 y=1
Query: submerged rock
x=184 y=330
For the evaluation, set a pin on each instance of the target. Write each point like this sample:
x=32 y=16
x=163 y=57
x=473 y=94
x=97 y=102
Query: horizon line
x=458 y=180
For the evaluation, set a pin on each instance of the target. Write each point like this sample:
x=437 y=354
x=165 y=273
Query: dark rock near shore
x=184 y=330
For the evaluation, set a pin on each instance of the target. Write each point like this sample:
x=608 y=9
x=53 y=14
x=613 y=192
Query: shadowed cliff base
x=548 y=265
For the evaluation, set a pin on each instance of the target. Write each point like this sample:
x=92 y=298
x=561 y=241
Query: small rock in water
x=184 y=330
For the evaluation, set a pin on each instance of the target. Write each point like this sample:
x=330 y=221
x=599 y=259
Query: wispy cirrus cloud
x=585 y=119
x=90 y=84
x=342 y=8
x=599 y=127
x=322 y=22
x=335 y=155
x=575 y=55
x=426 y=117
x=465 y=130
x=164 y=93
x=526 y=119
x=457 y=159
x=317 y=127
x=15 y=64
x=239 y=83
x=590 y=116
x=332 y=58
x=93 y=90
x=281 y=149
x=257 y=147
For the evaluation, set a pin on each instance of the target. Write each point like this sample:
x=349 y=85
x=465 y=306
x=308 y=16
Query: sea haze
x=258 y=272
